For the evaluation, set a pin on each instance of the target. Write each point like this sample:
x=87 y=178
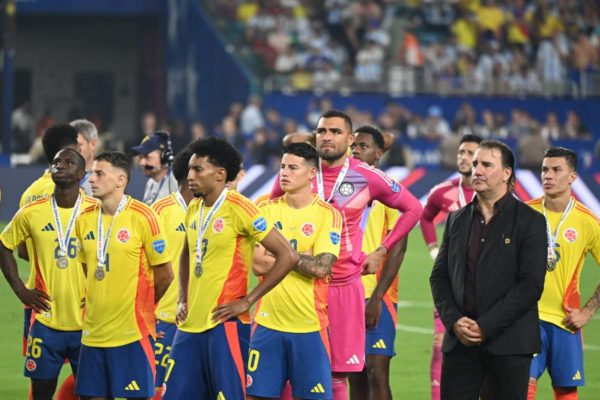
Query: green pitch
x=410 y=368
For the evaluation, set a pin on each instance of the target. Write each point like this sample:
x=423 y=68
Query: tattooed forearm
x=594 y=302
x=315 y=266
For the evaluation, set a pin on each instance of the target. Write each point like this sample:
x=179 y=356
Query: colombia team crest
x=30 y=365
x=308 y=229
x=218 y=225
x=570 y=234
x=123 y=235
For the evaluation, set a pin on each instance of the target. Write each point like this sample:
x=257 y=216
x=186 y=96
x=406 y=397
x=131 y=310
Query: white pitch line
x=415 y=304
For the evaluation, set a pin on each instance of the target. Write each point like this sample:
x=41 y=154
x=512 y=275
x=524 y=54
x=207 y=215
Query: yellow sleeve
x=594 y=246
x=154 y=239
x=17 y=231
x=392 y=216
x=328 y=239
x=249 y=221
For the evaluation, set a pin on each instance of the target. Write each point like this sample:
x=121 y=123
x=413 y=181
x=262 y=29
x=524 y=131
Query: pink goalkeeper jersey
x=361 y=185
x=443 y=197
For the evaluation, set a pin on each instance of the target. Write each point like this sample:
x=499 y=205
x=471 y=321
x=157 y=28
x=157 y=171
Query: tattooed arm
x=576 y=318
x=318 y=266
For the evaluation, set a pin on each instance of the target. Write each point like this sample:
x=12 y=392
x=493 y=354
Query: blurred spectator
x=464 y=120
x=531 y=150
x=551 y=58
x=448 y=149
x=574 y=128
x=519 y=126
x=229 y=131
x=23 y=128
x=252 y=118
x=148 y=123
x=551 y=129
x=435 y=126
x=369 y=63
x=198 y=131
x=327 y=77
x=260 y=149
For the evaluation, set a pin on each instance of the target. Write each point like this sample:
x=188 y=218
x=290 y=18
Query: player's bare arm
x=374 y=260
x=578 y=318
x=22 y=252
x=38 y=300
x=184 y=277
x=285 y=259
x=263 y=261
x=163 y=276
x=318 y=266
x=388 y=274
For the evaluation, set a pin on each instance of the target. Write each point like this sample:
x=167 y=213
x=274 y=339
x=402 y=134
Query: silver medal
x=99 y=274
x=198 y=270
x=62 y=262
x=551 y=265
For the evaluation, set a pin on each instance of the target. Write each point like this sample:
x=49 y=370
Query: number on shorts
x=34 y=347
x=170 y=364
x=253 y=358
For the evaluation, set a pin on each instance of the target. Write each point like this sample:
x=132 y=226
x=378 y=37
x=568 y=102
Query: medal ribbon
x=553 y=238
x=337 y=183
x=202 y=227
x=103 y=240
x=462 y=201
x=181 y=200
x=63 y=239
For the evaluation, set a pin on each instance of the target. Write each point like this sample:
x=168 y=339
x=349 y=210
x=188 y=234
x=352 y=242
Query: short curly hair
x=181 y=164
x=56 y=138
x=220 y=153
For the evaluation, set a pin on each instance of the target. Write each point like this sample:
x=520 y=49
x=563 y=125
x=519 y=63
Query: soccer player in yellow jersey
x=222 y=230
x=290 y=340
x=171 y=210
x=381 y=288
x=56 y=298
x=573 y=231
x=124 y=252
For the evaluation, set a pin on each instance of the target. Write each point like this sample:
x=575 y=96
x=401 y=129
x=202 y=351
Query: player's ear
x=312 y=172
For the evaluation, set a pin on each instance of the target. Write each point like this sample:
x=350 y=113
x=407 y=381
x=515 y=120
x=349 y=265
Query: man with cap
x=155 y=158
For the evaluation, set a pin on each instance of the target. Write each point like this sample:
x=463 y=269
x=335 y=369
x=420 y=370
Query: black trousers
x=466 y=369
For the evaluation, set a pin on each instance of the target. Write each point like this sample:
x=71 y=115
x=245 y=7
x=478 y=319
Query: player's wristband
x=433 y=252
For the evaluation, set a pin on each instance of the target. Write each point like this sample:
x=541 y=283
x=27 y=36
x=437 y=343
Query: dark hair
x=305 y=151
x=338 y=114
x=219 y=153
x=471 y=139
x=80 y=159
x=374 y=132
x=181 y=164
x=569 y=155
x=508 y=158
x=56 y=138
x=116 y=159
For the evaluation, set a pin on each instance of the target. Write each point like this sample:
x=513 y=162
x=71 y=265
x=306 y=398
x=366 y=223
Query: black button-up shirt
x=477 y=239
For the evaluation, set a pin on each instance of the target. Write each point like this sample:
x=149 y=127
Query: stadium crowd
x=510 y=46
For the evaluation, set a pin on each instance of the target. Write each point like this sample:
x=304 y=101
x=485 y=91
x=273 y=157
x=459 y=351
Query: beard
x=331 y=155
x=198 y=194
x=466 y=174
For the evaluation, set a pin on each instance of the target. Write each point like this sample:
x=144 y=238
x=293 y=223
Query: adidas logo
x=193 y=225
x=221 y=396
x=132 y=386
x=48 y=227
x=577 y=376
x=180 y=228
x=380 y=344
x=435 y=383
x=89 y=236
x=318 y=389
x=278 y=225
x=353 y=360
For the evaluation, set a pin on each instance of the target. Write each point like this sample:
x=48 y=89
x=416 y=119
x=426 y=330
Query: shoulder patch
x=260 y=224
x=334 y=237
x=158 y=246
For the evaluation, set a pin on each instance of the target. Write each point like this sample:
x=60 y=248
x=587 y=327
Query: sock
x=436 y=372
x=566 y=393
x=286 y=394
x=340 y=388
x=158 y=394
x=531 y=391
x=67 y=390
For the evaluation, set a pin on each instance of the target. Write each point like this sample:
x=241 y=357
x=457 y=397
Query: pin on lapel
x=507 y=241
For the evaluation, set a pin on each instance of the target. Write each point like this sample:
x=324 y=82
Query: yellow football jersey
x=579 y=234
x=380 y=220
x=228 y=248
x=298 y=304
x=172 y=215
x=41 y=188
x=66 y=287
x=120 y=307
